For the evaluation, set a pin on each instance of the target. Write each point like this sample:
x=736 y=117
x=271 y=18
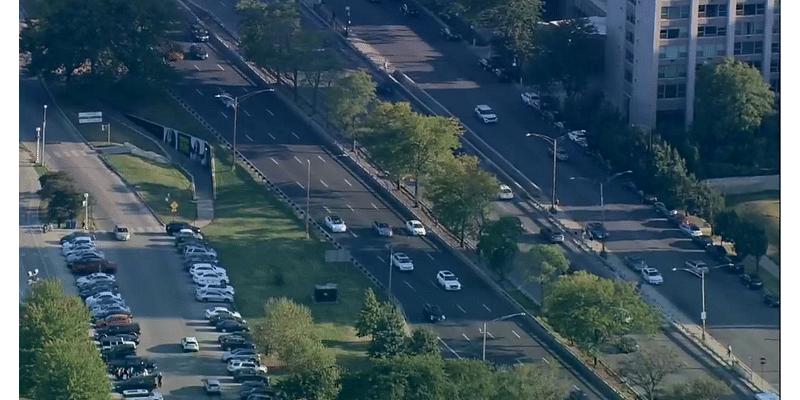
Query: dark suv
x=199 y=34
x=551 y=236
x=596 y=230
x=432 y=313
x=751 y=281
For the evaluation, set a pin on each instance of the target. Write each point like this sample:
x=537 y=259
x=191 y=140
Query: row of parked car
x=213 y=285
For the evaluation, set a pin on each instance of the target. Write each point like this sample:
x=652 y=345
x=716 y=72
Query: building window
x=671 y=71
x=629 y=36
x=673 y=33
x=629 y=56
x=672 y=52
x=775 y=67
x=776 y=47
x=749 y=8
x=674 y=12
x=632 y=2
x=711 y=30
x=628 y=76
x=776 y=27
x=712 y=10
x=710 y=50
x=672 y=91
x=740 y=48
x=749 y=28
x=631 y=18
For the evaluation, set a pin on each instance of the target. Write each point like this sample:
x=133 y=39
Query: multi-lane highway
x=282 y=147
x=449 y=72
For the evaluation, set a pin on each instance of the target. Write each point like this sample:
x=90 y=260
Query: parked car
x=174 y=227
x=490 y=63
x=505 y=193
x=531 y=99
x=751 y=281
x=212 y=386
x=485 y=114
x=652 y=276
x=409 y=11
x=677 y=219
x=771 y=299
x=690 y=229
x=190 y=343
x=382 y=228
x=550 y=235
x=579 y=137
x=240 y=353
x=636 y=263
x=114 y=319
x=147 y=382
x=231 y=325
x=702 y=241
x=596 y=230
x=448 y=280
x=216 y=296
x=216 y=319
x=735 y=268
x=74 y=235
x=432 y=313
x=211 y=312
x=250 y=374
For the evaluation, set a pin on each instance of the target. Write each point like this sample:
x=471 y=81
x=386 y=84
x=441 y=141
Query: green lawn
x=765 y=210
x=154 y=181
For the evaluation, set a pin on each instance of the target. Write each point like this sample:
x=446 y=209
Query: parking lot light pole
x=602 y=197
x=553 y=142
x=495 y=320
x=236 y=101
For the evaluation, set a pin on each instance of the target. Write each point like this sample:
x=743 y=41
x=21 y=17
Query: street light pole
x=485 y=323
x=391 y=254
x=86 y=208
x=554 y=142
x=44 y=132
x=602 y=197
x=236 y=101
x=703 y=293
x=38 y=138
x=308 y=195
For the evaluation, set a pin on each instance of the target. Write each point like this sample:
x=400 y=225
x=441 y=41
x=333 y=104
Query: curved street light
x=495 y=320
x=236 y=101
x=702 y=291
x=602 y=198
x=554 y=143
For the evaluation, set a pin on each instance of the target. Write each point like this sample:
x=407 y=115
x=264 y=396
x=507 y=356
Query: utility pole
x=44 y=132
x=308 y=195
x=38 y=138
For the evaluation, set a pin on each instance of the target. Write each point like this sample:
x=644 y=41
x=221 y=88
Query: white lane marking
x=326 y=209
x=382 y=260
x=489 y=334
x=223 y=114
x=351 y=208
x=196 y=67
x=429 y=255
x=273 y=160
x=515 y=334
x=433 y=283
x=301 y=186
x=270 y=112
x=220 y=67
x=248 y=137
x=487 y=308
x=348 y=183
x=198 y=91
x=409 y=285
x=545 y=360
x=248 y=114
x=353 y=233
x=465 y=337
x=320 y=157
x=462 y=310
x=519 y=362
x=323 y=183
x=448 y=348
x=270 y=135
x=374 y=206
x=298 y=160
x=295 y=135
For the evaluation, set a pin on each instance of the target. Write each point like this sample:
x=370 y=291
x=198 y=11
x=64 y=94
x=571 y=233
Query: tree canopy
x=349 y=101
x=545 y=262
x=497 y=244
x=648 y=368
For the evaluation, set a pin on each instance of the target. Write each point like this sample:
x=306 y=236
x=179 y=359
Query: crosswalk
x=69 y=153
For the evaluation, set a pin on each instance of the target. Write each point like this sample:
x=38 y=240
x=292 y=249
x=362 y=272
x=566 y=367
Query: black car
x=596 y=230
x=216 y=319
x=751 y=281
x=649 y=198
x=772 y=300
x=432 y=313
x=262 y=390
x=504 y=75
x=233 y=337
x=718 y=253
x=703 y=242
x=676 y=219
x=460 y=152
x=735 y=268
x=636 y=263
x=409 y=11
x=126 y=337
x=93 y=290
x=116 y=329
x=199 y=34
x=232 y=325
x=450 y=35
x=119 y=351
x=198 y=52
x=631 y=187
x=550 y=235
x=147 y=382
x=237 y=344
x=490 y=63
x=74 y=235
x=250 y=374
x=176 y=226
x=252 y=384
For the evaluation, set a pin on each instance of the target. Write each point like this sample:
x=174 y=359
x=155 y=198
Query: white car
x=210 y=281
x=121 y=232
x=192 y=250
x=652 y=276
x=235 y=365
x=448 y=280
x=238 y=353
x=95 y=277
x=141 y=394
x=197 y=268
x=204 y=290
x=102 y=296
x=225 y=288
x=221 y=310
x=189 y=343
x=199 y=275
x=188 y=233
x=335 y=224
x=77 y=242
x=696 y=267
x=402 y=262
x=415 y=228
x=578 y=137
x=214 y=296
x=532 y=99
x=506 y=193
x=485 y=114
x=690 y=229
x=83 y=253
x=65 y=251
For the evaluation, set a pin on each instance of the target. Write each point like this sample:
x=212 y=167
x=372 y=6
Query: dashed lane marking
x=248 y=114
x=448 y=348
x=462 y=310
x=295 y=135
x=270 y=135
x=220 y=67
x=465 y=337
x=196 y=67
x=348 y=183
x=248 y=137
x=353 y=233
x=351 y=208
x=322 y=159
x=273 y=160
x=299 y=184
x=409 y=285
x=298 y=160
x=326 y=209
x=430 y=256
x=270 y=112
x=516 y=334
x=487 y=308
x=198 y=91
x=374 y=206
x=223 y=114
x=382 y=260
x=323 y=183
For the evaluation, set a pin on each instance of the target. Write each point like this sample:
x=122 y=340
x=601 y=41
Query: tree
x=472 y=379
x=588 y=309
x=751 y=240
x=285 y=324
x=324 y=66
x=498 y=243
x=388 y=340
x=530 y=381
x=727 y=224
x=314 y=383
x=731 y=102
x=648 y=368
x=64 y=205
x=349 y=100
x=434 y=139
x=423 y=341
x=270 y=34
x=459 y=190
x=698 y=389
x=545 y=262
x=385 y=132
x=515 y=20
x=54 y=181
x=70 y=369
x=400 y=378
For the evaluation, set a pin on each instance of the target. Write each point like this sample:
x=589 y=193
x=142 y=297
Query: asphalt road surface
x=449 y=72
x=281 y=146
x=159 y=293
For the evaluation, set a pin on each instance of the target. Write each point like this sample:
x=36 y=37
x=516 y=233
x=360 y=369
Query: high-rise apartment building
x=654 y=48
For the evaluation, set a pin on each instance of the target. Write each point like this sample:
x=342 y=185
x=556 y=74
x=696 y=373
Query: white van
x=121 y=232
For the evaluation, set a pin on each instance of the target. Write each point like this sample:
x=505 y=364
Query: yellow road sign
x=174 y=206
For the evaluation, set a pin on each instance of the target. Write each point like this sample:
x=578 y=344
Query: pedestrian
x=730 y=351
x=159 y=379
